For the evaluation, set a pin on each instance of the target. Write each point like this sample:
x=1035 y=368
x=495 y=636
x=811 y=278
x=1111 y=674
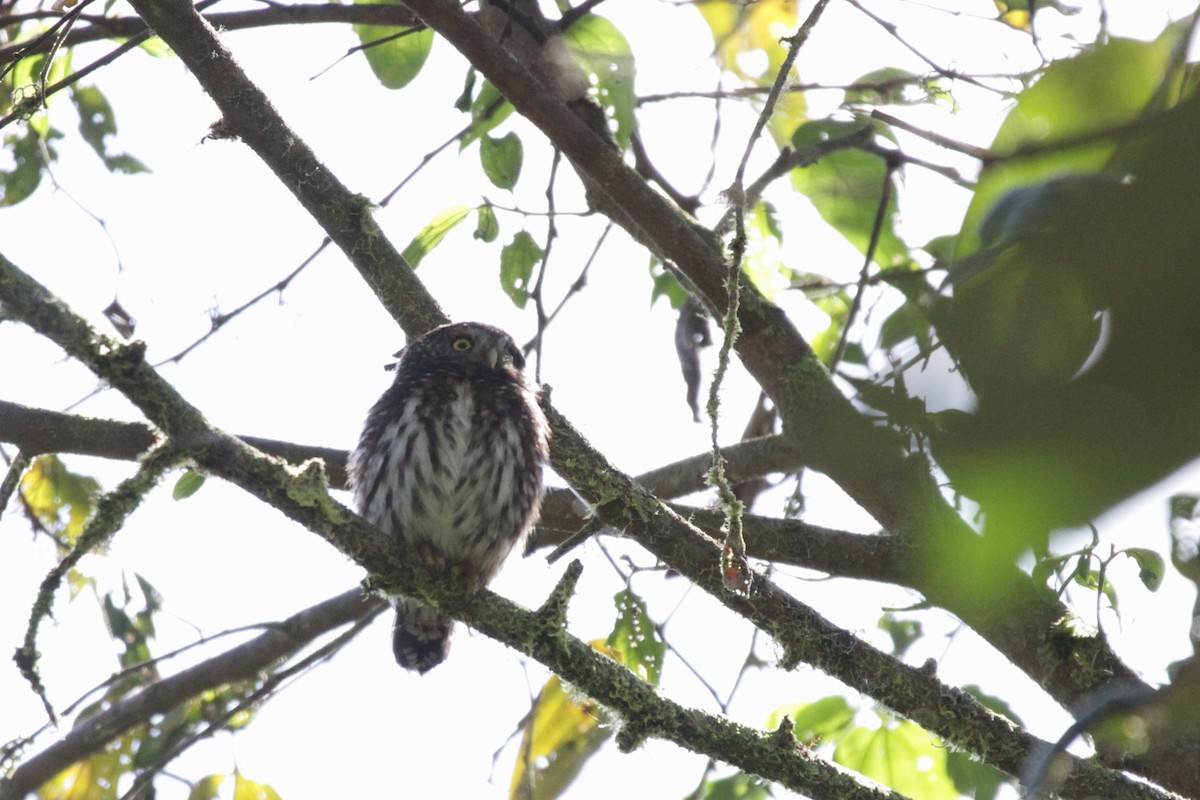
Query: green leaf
x=396 y=55
x=517 y=260
x=602 y=51
x=903 y=632
x=488 y=227
x=635 y=639
x=60 y=499
x=1150 y=565
x=22 y=180
x=837 y=306
x=846 y=188
x=666 y=285
x=207 y=788
x=992 y=702
x=96 y=120
x=560 y=734
x=501 y=159
x=489 y=110
x=463 y=103
x=432 y=234
x=973 y=778
x=901 y=755
x=188 y=484
x=824 y=719
x=1101 y=88
x=738 y=786
x=245 y=789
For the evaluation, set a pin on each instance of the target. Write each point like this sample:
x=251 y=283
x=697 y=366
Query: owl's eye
x=462 y=343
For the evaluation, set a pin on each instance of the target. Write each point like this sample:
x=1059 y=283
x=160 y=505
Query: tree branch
x=867 y=461
x=301 y=495
x=621 y=503
x=102 y=27
x=240 y=663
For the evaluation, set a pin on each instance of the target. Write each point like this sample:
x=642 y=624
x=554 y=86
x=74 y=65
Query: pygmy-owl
x=450 y=463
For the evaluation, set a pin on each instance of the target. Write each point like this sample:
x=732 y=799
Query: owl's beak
x=493 y=357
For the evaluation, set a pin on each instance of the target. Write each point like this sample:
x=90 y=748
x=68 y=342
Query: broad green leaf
x=846 y=188
x=738 y=786
x=246 y=789
x=666 y=285
x=763 y=262
x=1150 y=566
x=973 y=778
x=1104 y=87
x=821 y=720
x=207 y=788
x=559 y=736
x=889 y=86
x=501 y=159
x=517 y=260
x=94 y=778
x=432 y=234
x=19 y=182
x=903 y=632
x=188 y=484
x=909 y=321
x=396 y=55
x=901 y=755
x=488 y=227
x=60 y=499
x=739 y=29
x=634 y=638
x=837 y=306
x=96 y=123
x=601 y=50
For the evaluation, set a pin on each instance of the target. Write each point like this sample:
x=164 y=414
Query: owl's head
x=466 y=345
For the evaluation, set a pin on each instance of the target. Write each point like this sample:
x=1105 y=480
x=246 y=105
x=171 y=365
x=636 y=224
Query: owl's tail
x=421 y=638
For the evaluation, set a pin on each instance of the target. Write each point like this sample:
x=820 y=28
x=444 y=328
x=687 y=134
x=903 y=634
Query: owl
x=450 y=463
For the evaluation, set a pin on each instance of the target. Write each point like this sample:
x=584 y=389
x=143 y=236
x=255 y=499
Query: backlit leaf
x=846 y=188
x=601 y=50
x=517 y=260
x=901 y=755
x=396 y=55
x=559 y=736
x=188 y=484
x=501 y=159
x=488 y=227
x=1150 y=566
x=432 y=234
x=246 y=789
x=60 y=499
x=634 y=638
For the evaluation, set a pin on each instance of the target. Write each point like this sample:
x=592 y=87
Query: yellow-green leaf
x=560 y=735
x=246 y=789
x=396 y=55
x=901 y=755
x=60 y=499
x=432 y=234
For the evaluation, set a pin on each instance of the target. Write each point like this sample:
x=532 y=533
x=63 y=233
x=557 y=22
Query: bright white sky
x=211 y=226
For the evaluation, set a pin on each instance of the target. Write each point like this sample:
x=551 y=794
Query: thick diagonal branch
x=243 y=662
x=302 y=496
